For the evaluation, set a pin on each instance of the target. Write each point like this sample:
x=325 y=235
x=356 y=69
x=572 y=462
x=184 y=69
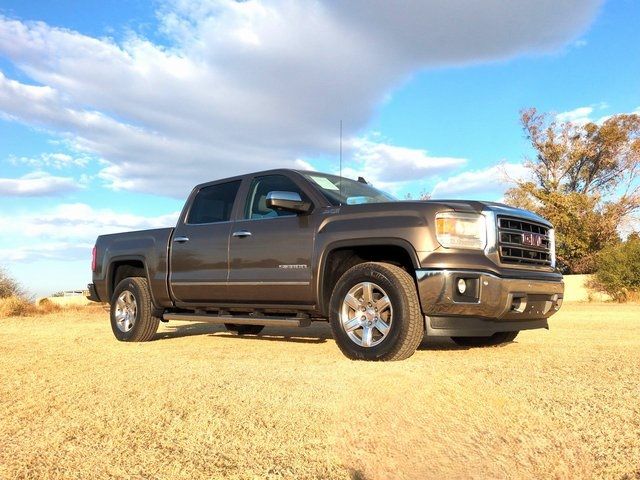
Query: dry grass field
x=201 y=403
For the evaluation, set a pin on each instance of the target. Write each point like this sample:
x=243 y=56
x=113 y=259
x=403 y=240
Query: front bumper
x=492 y=303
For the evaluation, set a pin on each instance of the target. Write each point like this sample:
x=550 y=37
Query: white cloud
x=250 y=85
x=580 y=43
x=489 y=182
x=391 y=167
x=67 y=231
x=37 y=184
x=46 y=251
x=52 y=160
x=391 y=164
x=578 y=116
x=583 y=115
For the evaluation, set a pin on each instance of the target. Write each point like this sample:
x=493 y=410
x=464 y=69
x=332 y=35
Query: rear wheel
x=132 y=318
x=495 y=339
x=375 y=313
x=244 y=329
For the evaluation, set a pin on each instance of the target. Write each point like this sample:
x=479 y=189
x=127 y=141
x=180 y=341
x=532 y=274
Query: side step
x=240 y=320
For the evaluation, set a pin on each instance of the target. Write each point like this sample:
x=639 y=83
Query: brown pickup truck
x=287 y=247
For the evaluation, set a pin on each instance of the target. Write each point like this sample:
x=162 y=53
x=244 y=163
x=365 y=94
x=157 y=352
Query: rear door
x=270 y=252
x=200 y=245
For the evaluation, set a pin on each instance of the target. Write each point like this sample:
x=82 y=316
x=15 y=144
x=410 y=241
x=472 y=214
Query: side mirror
x=289 y=201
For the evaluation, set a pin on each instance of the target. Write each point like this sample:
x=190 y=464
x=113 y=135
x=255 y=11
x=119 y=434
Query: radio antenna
x=340 y=189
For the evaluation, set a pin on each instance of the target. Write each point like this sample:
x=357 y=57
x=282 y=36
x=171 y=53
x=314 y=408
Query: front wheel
x=495 y=339
x=375 y=313
x=132 y=318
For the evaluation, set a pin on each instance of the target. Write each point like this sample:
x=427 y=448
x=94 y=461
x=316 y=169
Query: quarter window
x=214 y=203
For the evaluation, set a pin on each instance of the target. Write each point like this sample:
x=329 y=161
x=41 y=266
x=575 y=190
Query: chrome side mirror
x=289 y=201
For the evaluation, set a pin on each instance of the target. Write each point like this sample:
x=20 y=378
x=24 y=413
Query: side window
x=256 y=206
x=213 y=204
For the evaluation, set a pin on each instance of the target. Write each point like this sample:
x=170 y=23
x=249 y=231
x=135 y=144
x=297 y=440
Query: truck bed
x=151 y=247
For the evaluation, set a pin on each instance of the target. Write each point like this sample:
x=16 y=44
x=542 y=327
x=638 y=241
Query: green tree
x=618 y=271
x=584 y=179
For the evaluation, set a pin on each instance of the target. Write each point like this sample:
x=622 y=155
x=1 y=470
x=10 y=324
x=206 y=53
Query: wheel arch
x=337 y=257
x=125 y=266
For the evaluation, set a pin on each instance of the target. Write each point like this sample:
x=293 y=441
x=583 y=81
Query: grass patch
x=198 y=402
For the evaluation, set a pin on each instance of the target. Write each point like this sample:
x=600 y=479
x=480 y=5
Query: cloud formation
x=37 y=184
x=484 y=182
x=583 y=115
x=256 y=84
x=58 y=161
x=68 y=231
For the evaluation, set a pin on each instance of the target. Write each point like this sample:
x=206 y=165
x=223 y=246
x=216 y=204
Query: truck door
x=270 y=251
x=200 y=246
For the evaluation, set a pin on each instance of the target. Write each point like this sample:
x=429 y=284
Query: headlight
x=461 y=230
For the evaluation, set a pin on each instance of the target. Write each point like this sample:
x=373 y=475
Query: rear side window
x=213 y=204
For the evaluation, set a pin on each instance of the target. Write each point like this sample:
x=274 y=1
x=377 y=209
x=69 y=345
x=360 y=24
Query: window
x=344 y=191
x=213 y=204
x=260 y=188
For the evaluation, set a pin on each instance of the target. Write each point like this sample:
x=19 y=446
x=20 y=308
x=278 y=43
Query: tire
x=244 y=329
x=391 y=332
x=495 y=339
x=132 y=318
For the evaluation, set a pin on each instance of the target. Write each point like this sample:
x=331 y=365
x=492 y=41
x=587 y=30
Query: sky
x=110 y=112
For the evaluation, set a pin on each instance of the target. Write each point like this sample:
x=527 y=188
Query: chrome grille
x=521 y=241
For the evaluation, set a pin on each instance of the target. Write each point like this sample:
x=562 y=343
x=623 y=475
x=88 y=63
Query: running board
x=240 y=320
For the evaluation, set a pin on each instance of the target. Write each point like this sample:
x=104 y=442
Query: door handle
x=181 y=239
x=241 y=234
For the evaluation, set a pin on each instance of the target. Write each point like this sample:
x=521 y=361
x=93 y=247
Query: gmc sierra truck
x=288 y=247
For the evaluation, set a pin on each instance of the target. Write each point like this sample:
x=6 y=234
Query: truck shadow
x=318 y=332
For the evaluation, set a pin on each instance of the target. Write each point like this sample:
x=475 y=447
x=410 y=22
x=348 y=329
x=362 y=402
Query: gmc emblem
x=532 y=239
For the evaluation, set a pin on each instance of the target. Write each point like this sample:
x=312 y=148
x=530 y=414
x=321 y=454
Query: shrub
x=47 y=306
x=618 y=271
x=15 y=306
x=9 y=287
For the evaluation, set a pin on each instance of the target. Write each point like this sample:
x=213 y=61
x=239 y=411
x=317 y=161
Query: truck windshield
x=344 y=191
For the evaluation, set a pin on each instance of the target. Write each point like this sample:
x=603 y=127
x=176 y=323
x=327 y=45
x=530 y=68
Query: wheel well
x=342 y=259
x=123 y=269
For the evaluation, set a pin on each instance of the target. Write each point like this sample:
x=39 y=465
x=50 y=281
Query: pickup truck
x=287 y=248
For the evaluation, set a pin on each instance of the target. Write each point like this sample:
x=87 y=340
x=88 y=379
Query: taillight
x=93 y=259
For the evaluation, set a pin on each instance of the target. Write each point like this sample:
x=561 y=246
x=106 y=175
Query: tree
x=9 y=287
x=584 y=179
x=618 y=271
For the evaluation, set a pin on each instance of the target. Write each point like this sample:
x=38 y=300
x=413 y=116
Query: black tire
x=495 y=339
x=145 y=324
x=406 y=327
x=244 y=329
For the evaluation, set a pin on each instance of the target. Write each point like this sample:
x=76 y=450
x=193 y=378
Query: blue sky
x=111 y=111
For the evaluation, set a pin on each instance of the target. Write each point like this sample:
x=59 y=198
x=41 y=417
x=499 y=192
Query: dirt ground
x=199 y=402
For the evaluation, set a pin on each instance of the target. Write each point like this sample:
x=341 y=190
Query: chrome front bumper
x=496 y=304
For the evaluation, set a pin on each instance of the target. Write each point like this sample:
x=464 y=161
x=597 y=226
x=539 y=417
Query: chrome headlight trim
x=459 y=222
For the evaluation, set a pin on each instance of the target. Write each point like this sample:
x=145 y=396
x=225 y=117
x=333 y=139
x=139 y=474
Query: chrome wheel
x=366 y=314
x=126 y=310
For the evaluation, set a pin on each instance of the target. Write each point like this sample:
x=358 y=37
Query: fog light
x=462 y=286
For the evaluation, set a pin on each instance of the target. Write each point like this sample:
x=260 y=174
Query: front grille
x=523 y=242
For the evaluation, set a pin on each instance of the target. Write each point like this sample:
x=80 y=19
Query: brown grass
x=201 y=403
x=22 y=307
